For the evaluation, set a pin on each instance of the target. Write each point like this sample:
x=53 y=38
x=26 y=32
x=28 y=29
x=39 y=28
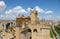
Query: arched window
x=29 y=30
x=35 y=30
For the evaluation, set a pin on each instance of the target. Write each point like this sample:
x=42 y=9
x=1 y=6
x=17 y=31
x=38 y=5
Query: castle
x=27 y=27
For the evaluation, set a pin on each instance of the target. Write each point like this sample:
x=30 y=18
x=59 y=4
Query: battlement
x=33 y=11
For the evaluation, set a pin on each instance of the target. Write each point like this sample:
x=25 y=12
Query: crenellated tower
x=33 y=16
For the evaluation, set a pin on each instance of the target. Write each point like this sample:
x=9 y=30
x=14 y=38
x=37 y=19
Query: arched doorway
x=26 y=34
x=35 y=30
x=29 y=35
x=29 y=30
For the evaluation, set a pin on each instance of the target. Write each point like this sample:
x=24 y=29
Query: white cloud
x=9 y=12
x=40 y=10
x=50 y=17
x=58 y=18
x=48 y=12
x=2 y=6
x=17 y=10
x=37 y=8
x=39 y=17
x=7 y=17
x=28 y=9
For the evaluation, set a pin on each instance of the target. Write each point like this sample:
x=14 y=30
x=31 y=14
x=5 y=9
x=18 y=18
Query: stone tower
x=33 y=16
x=34 y=27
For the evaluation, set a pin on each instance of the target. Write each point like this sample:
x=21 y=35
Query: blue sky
x=48 y=9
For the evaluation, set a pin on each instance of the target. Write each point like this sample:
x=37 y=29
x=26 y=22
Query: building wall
x=32 y=31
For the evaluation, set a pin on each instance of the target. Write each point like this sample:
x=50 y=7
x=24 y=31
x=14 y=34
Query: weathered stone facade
x=27 y=27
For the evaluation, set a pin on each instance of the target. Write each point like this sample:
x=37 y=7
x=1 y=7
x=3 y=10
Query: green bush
x=52 y=33
x=57 y=28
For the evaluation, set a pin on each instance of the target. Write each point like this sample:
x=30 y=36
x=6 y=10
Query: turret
x=33 y=16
